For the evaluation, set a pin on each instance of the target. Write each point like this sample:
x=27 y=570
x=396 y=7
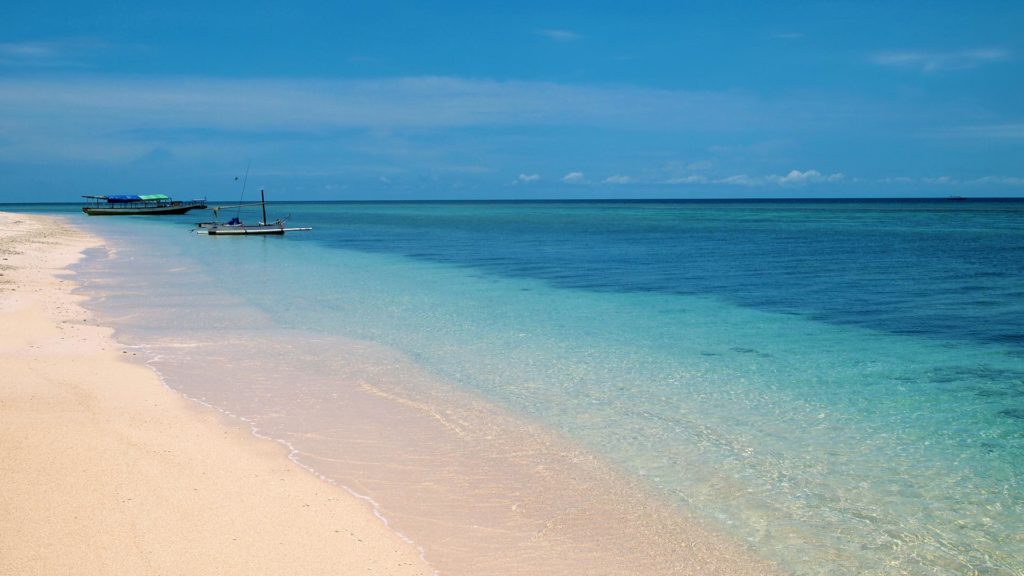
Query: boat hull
x=243 y=230
x=246 y=230
x=176 y=208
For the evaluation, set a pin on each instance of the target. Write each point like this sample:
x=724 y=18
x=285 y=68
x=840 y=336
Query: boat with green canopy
x=154 y=204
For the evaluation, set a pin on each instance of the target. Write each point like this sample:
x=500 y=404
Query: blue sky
x=417 y=100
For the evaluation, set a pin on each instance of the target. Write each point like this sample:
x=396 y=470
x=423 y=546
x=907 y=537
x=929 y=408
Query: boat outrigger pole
x=263 y=203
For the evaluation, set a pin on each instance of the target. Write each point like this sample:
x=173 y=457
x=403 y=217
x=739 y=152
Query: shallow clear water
x=840 y=385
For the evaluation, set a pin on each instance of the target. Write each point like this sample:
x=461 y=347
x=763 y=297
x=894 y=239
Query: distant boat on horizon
x=144 y=204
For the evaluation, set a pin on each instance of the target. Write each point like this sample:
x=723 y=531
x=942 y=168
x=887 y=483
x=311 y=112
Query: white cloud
x=559 y=35
x=48 y=54
x=952 y=181
x=527 y=178
x=1003 y=180
x=896 y=180
x=796 y=177
x=573 y=178
x=939 y=61
x=618 y=179
x=740 y=180
x=692 y=179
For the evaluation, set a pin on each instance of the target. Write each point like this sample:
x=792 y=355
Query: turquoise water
x=838 y=384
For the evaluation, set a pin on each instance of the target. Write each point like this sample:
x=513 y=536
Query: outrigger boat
x=235 y=227
x=123 y=205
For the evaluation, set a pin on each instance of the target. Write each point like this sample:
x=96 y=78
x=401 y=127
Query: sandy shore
x=103 y=470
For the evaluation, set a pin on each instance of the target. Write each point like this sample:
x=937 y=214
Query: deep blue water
x=938 y=269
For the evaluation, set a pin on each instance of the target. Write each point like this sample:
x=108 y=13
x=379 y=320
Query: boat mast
x=244 y=182
x=263 y=203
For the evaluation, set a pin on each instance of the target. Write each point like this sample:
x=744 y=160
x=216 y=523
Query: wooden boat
x=235 y=227
x=239 y=229
x=152 y=204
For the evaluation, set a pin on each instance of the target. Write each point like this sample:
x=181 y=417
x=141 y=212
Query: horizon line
x=950 y=198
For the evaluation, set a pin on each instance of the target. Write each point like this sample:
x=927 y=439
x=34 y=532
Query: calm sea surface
x=839 y=385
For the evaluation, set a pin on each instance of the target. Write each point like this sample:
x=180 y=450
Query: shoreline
x=516 y=516
x=107 y=470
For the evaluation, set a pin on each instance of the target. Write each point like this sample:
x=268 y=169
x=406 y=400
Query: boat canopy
x=136 y=198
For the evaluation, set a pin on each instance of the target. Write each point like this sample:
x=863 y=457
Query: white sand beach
x=103 y=470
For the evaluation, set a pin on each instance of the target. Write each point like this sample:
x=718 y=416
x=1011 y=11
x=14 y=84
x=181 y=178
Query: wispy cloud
x=952 y=181
x=1005 y=131
x=303 y=104
x=740 y=180
x=84 y=116
x=927 y=61
x=31 y=54
x=559 y=35
x=1001 y=180
x=48 y=53
x=793 y=178
x=692 y=179
x=419 y=124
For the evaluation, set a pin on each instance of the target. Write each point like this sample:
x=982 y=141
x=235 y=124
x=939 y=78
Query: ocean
x=836 y=386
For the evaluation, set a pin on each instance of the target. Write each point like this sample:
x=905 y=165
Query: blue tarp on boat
x=136 y=198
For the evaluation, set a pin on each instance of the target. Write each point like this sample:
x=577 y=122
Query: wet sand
x=103 y=470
